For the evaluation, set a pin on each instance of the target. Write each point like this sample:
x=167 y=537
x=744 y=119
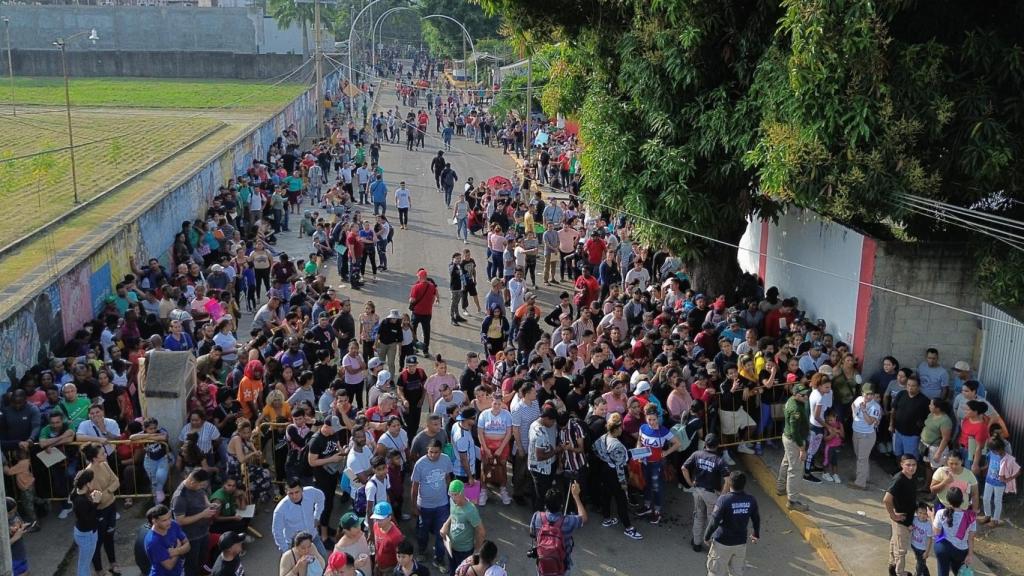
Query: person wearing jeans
x=430 y=477
x=954 y=534
x=155 y=461
x=660 y=441
x=84 y=503
x=866 y=415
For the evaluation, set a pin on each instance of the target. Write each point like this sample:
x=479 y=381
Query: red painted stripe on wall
x=762 y=249
x=867 y=274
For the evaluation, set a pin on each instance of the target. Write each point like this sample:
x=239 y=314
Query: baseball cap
x=962 y=366
x=411 y=360
x=229 y=539
x=382 y=511
x=349 y=520
x=456 y=487
x=801 y=389
x=867 y=388
x=825 y=369
x=337 y=560
x=421 y=273
x=642 y=386
x=383 y=377
x=791 y=377
x=466 y=414
x=374 y=362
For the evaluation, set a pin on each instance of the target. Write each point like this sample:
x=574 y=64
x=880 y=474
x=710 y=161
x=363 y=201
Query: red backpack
x=550 y=547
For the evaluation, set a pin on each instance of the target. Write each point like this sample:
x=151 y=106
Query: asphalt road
x=429 y=242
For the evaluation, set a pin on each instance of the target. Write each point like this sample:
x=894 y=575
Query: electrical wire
x=972 y=226
x=986 y=216
x=781 y=259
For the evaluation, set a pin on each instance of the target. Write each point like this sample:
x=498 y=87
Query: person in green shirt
x=360 y=155
x=230 y=499
x=463 y=529
x=75 y=408
x=794 y=440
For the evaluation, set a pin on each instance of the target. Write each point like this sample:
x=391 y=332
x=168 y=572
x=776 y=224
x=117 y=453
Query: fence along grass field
x=40 y=187
x=154 y=93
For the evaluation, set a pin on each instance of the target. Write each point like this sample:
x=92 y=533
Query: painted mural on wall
x=38 y=331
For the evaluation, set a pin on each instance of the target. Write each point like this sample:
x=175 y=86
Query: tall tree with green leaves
x=288 y=12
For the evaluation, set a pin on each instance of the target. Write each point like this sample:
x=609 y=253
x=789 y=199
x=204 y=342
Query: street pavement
x=429 y=242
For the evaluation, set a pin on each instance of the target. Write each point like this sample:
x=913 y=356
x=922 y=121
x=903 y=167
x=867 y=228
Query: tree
x=666 y=116
x=288 y=12
x=703 y=113
x=443 y=37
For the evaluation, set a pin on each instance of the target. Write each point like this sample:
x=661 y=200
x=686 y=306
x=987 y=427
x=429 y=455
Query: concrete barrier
x=154 y=64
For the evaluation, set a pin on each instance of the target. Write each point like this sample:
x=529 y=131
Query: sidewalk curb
x=806 y=525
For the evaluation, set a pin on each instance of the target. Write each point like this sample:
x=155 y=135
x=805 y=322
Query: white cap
x=374 y=362
x=962 y=366
x=383 y=377
x=642 y=386
x=825 y=369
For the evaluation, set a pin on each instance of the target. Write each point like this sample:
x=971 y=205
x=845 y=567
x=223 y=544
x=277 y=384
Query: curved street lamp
x=351 y=31
x=468 y=37
x=376 y=27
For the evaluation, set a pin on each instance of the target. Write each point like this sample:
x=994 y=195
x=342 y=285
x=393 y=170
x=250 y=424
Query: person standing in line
x=455 y=283
x=460 y=213
x=867 y=413
x=194 y=512
x=422 y=297
x=795 y=430
x=379 y=195
x=84 y=501
x=708 y=473
x=901 y=504
x=464 y=530
x=727 y=532
x=299 y=511
x=166 y=544
x=430 y=477
x=403 y=201
x=954 y=531
x=229 y=561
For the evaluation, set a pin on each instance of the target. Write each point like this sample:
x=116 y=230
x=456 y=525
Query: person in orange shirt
x=250 y=389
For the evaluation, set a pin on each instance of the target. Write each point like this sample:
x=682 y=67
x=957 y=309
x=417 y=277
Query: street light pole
x=61 y=43
x=318 y=59
x=376 y=28
x=10 y=63
x=351 y=31
x=466 y=37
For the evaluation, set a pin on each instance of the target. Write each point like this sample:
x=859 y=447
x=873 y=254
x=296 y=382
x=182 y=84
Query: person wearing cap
x=229 y=561
x=343 y=564
x=727 y=531
x=795 y=432
x=422 y=297
x=386 y=536
x=867 y=413
x=464 y=446
x=389 y=338
x=708 y=474
x=464 y=529
x=962 y=374
x=352 y=543
x=410 y=389
x=456 y=281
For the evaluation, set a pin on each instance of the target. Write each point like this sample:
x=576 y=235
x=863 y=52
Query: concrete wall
x=875 y=322
x=146 y=64
x=149 y=28
x=45 y=320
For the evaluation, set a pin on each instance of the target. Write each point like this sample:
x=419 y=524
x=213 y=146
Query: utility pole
x=318 y=60
x=529 y=108
x=10 y=63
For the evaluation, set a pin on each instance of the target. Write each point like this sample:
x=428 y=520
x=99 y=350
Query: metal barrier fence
x=128 y=465
x=270 y=439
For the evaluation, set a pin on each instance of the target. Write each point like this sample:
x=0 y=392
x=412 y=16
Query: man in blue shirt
x=379 y=195
x=933 y=376
x=553 y=503
x=166 y=544
x=727 y=531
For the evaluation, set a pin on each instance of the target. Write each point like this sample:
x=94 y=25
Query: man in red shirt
x=422 y=298
x=778 y=320
x=587 y=289
x=595 y=247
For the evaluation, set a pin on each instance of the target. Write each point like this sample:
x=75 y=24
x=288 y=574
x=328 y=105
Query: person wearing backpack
x=552 y=532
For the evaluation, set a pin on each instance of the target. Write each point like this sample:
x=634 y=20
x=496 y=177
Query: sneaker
x=745 y=449
x=892 y=570
x=608 y=522
x=655 y=518
x=780 y=491
x=645 y=511
x=728 y=459
x=797 y=506
x=836 y=479
x=483 y=498
x=697 y=547
x=633 y=533
x=505 y=498
x=64 y=513
x=827 y=477
x=812 y=478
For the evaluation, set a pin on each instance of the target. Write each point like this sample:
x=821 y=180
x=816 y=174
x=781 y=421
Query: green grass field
x=40 y=187
x=153 y=93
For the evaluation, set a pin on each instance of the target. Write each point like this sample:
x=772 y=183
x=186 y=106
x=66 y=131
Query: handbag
x=636 y=475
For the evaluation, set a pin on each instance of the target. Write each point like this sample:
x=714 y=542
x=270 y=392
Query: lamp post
x=351 y=31
x=61 y=43
x=376 y=26
x=10 y=62
x=467 y=37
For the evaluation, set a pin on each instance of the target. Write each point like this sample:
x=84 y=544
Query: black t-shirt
x=732 y=401
x=574 y=402
x=776 y=394
x=469 y=381
x=904 y=496
x=909 y=413
x=224 y=567
x=543 y=395
x=324 y=447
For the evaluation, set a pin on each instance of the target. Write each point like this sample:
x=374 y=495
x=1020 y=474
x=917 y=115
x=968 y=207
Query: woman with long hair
x=106 y=482
x=614 y=457
x=494 y=331
x=84 y=501
x=954 y=531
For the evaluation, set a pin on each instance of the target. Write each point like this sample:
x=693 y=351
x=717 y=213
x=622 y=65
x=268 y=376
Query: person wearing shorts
x=494 y=427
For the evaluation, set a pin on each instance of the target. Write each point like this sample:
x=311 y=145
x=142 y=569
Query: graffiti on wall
x=39 y=330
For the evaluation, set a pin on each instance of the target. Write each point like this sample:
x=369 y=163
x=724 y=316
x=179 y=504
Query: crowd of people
x=633 y=384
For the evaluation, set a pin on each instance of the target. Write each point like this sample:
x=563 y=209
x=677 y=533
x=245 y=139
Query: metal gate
x=1001 y=368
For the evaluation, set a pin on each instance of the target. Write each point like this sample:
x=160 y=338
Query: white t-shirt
x=377 y=490
x=872 y=409
x=825 y=400
x=357 y=463
x=642 y=275
x=402 y=198
x=520 y=257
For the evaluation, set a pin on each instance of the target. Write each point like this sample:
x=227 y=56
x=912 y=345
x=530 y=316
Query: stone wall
x=149 y=64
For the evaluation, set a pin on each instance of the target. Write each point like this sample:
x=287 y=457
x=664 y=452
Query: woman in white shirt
x=867 y=412
x=954 y=531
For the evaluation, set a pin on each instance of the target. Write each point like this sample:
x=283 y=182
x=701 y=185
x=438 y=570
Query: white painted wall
x=804 y=237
